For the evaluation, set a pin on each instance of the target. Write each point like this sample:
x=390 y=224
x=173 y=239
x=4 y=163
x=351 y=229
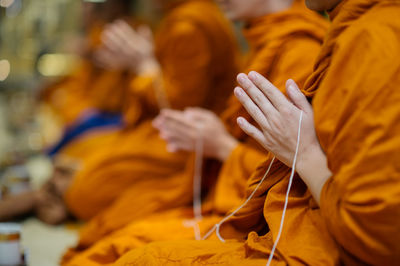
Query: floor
x=44 y=245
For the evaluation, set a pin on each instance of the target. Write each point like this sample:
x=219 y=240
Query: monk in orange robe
x=92 y=85
x=280 y=42
x=345 y=200
x=195 y=53
x=97 y=85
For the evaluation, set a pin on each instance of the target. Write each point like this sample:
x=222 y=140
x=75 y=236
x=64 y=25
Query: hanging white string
x=287 y=192
x=161 y=94
x=218 y=225
x=197 y=177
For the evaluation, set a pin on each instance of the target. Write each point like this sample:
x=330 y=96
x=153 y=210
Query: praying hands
x=181 y=130
x=278 y=120
x=126 y=47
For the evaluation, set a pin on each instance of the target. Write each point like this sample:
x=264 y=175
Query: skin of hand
x=106 y=59
x=278 y=121
x=181 y=130
x=126 y=47
x=49 y=206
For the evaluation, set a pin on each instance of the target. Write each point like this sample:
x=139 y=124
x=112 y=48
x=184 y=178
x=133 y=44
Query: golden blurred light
x=52 y=65
x=5 y=69
x=6 y=3
x=96 y=1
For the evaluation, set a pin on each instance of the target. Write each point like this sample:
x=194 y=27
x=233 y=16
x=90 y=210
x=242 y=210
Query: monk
x=346 y=146
x=194 y=53
x=88 y=102
x=93 y=84
x=279 y=39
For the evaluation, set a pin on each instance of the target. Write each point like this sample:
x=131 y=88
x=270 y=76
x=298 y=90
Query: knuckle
x=258 y=98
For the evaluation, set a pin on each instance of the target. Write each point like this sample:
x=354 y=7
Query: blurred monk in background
x=88 y=102
x=344 y=203
x=194 y=53
x=284 y=37
x=96 y=84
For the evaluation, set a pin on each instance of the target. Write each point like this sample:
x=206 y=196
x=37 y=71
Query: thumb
x=297 y=97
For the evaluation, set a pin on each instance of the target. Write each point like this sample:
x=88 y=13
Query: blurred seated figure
x=194 y=53
x=91 y=97
x=331 y=195
x=87 y=101
x=284 y=38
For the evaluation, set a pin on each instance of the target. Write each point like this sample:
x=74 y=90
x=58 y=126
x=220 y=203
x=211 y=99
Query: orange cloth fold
x=88 y=86
x=355 y=83
x=197 y=50
x=281 y=44
x=360 y=203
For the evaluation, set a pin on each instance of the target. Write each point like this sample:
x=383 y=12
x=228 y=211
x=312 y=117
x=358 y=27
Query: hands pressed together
x=277 y=118
x=277 y=129
x=124 y=47
x=181 y=130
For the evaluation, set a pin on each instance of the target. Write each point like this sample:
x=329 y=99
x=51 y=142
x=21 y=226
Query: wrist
x=312 y=167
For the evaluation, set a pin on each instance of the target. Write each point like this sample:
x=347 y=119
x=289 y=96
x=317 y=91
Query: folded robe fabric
x=356 y=114
x=282 y=44
x=197 y=50
x=88 y=86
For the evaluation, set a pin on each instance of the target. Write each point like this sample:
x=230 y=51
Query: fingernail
x=253 y=74
x=238 y=91
x=292 y=89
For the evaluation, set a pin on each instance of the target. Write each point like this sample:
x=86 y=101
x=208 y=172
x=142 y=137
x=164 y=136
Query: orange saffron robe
x=87 y=87
x=355 y=82
x=281 y=43
x=198 y=54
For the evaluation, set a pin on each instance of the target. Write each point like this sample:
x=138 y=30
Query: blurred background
x=40 y=43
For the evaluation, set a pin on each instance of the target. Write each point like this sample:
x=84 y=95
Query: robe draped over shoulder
x=281 y=44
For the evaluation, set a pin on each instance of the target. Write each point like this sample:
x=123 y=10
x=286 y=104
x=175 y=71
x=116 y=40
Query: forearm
x=313 y=169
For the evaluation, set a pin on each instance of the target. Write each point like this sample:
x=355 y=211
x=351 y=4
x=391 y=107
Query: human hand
x=133 y=48
x=278 y=120
x=276 y=116
x=183 y=129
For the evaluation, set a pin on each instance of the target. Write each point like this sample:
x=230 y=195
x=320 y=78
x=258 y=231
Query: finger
x=130 y=36
x=158 y=122
x=174 y=132
x=178 y=145
x=112 y=41
x=275 y=96
x=297 y=97
x=178 y=117
x=251 y=130
x=118 y=38
x=252 y=108
x=198 y=114
x=145 y=32
x=175 y=129
x=125 y=27
x=256 y=95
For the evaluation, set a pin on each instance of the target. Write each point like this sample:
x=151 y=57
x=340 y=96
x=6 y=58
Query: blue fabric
x=94 y=120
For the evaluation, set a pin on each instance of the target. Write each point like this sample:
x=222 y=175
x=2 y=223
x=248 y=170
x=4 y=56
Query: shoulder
x=378 y=29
